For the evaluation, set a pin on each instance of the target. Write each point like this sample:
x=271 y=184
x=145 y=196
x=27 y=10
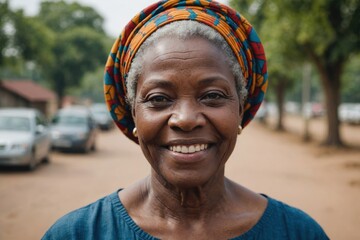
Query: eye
x=214 y=98
x=157 y=100
x=213 y=95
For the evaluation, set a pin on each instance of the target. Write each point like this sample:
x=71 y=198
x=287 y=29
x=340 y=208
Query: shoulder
x=297 y=224
x=83 y=221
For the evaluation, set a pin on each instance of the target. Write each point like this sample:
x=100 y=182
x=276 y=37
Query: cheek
x=149 y=124
x=226 y=123
x=226 y=120
x=150 y=127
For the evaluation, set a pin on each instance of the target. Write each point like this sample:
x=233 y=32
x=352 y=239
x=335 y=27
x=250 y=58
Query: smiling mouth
x=189 y=148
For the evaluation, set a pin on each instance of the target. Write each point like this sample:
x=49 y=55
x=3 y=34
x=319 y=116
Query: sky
x=116 y=13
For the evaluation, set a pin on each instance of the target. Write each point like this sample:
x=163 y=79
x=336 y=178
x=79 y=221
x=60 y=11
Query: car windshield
x=70 y=120
x=13 y=123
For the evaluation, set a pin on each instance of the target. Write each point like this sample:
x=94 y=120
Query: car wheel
x=86 y=148
x=46 y=159
x=93 y=147
x=32 y=164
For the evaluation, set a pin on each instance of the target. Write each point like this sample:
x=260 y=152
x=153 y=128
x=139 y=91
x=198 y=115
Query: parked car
x=313 y=110
x=74 y=128
x=349 y=113
x=24 y=137
x=102 y=116
x=293 y=108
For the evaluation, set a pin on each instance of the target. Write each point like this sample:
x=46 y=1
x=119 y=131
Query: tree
x=61 y=16
x=25 y=41
x=328 y=32
x=80 y=42
x=61 y=44
x=78 y=51
x=261 y=15
x=33 y=40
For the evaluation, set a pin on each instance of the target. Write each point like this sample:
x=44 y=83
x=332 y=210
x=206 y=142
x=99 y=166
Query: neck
x=181 y=202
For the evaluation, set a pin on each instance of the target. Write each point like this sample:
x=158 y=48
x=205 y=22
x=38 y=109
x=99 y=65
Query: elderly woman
x=182 y=81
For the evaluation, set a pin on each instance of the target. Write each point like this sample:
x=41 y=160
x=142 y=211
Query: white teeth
x=192 y=149
x=189 y=149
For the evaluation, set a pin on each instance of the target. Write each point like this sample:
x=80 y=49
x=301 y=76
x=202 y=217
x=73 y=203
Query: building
x=26 y=93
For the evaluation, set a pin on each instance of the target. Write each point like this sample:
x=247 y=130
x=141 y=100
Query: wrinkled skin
x=186 y=99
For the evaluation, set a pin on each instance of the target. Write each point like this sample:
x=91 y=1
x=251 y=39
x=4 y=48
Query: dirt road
x=325 y=183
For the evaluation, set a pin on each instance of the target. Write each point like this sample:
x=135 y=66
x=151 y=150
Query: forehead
x=184 y=52
x=190 y=62
x=193 y=43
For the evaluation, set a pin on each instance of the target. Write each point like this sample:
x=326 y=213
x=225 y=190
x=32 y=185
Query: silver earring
x=240 y=129
x=134 y=132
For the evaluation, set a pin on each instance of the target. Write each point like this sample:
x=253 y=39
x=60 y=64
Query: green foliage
x=323 y=32
x=80 y=42
x=91 y=87
x=25 y=44
x=328 y=28
x=326 y=31
x=61 y=44
x=351 y=89
x=4 y=18
x=61 y=16
x=78 y=51
x=283 y=60
x=33 y=39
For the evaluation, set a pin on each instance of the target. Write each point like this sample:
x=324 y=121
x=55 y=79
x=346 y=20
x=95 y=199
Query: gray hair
x=183 y=30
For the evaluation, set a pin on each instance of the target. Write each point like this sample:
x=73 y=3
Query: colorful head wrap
x=236 y=30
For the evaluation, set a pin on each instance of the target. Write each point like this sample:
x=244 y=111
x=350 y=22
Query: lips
x=188 y=148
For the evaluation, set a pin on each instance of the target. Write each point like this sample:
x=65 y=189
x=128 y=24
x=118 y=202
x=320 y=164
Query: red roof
x=27 y=89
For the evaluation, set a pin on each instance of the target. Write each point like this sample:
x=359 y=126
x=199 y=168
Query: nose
x=187 y=116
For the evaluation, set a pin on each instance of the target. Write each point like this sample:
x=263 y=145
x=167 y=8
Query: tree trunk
x=331 y=84
x=60 y=89
x=280 y=96
x=330 y=74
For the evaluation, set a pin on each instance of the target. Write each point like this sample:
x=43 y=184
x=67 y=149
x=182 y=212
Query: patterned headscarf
x=236 y=30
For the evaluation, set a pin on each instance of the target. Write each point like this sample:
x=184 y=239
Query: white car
x=24 y=137
x=349 y=113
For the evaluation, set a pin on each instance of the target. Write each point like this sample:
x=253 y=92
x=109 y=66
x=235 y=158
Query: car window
x=15 y=123
x=69 y=120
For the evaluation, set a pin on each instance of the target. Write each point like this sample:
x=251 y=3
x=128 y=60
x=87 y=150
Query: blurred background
x=59 y=149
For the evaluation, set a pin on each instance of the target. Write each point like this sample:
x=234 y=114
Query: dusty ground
x=323 y=182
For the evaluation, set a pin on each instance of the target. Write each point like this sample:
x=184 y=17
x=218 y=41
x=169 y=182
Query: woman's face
x=186 y=111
